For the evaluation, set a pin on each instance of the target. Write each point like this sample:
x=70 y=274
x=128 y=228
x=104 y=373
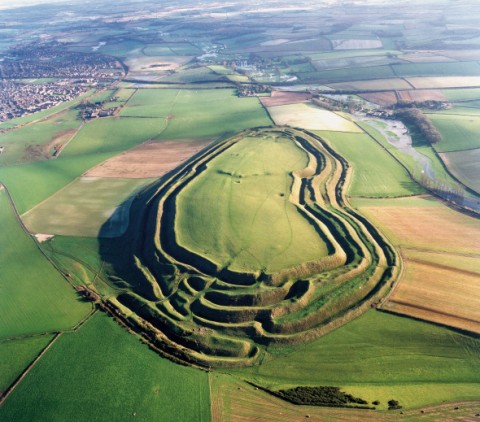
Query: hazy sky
x=8 y=4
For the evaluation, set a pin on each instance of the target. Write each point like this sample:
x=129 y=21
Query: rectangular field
x=458 y=132
x=441 y=250
x=90 y=206
x=35 y=297
x=425 y=224
x=465 y=166
x=16 y=355
x=373 y=85
x=437 y=69
x=422 y=95
x=108 y=368
x=375 y=172
x=381 y=98
x=197 y=113
x=279 y=98
x=438 y=292
x=444 y=82
x=308 y=116
x=149 y=160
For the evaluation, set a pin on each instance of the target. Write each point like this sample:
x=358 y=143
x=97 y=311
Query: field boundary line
x=20 y=378
x=71 y=139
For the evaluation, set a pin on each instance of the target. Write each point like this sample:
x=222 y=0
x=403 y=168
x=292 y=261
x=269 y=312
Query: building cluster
x=18 y=99
x=36 y=77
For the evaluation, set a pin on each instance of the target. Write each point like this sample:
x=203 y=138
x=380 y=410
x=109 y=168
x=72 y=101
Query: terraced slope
x=278 y=256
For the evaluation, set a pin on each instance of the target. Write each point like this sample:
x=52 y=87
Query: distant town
x=36 y=77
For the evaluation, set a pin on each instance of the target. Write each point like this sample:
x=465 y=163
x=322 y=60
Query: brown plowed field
x=151 y=159
x=279 y=98
x=422 y=95
x=381 y=98
x=438 y=293
x=441 y=254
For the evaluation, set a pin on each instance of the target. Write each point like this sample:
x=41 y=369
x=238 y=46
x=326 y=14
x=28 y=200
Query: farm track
x=209 y=315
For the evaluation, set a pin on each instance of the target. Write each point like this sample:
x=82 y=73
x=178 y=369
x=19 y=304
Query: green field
x=35 y=142
x=16 y=355
x=197 y=113
x=437 y=69
x=464 y=165
x=96 y=142
x=102 y=370
x=462 y=94
x=348 y=74
x=192 y=75
x=35 y=298
x=375 y=172
x=89 y=203
x=378 y=355
x=458 y=132
x=172 y=49
x=266 y=231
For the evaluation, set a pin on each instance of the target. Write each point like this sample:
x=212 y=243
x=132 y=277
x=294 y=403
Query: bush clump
x=320 y=396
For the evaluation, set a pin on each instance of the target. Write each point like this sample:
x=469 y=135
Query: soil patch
x=151 y=159
x=279 y=98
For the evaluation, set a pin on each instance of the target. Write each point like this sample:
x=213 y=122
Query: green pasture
x=96 y=142
x=172 y=49
x=340 y=54
x=238 y=213
x=462 y=94
x=192 y=75
x=30 y=143
x=465 y=165
x=354 y=62
x=90 y=206
x=35 y=297
x=102 y=96
x=375 y=172
x=348 y=74
x=102 y=372
x=377 y=355
x=458 y=132
x=437 y=69
x=16 y=355
x=197 y=113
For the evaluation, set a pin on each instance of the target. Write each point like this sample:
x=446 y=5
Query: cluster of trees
x=412 y=116
x=429 y=104
x=321 y=396
x=249 y=90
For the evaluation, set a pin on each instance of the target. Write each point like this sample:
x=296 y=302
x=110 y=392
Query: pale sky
x=9 y=4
